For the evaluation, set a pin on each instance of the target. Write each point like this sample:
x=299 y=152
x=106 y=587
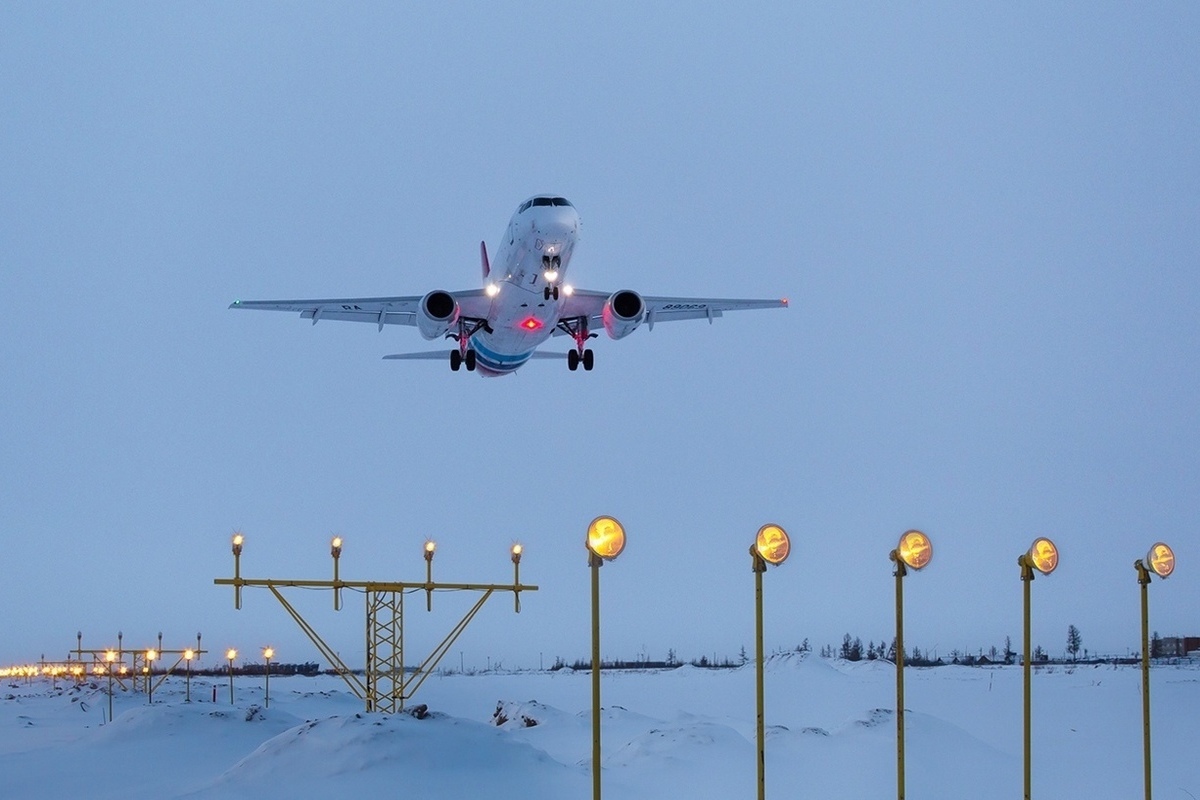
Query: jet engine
x=623 y=312
x=437 y=313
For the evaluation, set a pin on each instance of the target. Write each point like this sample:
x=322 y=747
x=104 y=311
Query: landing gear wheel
x=470 y=361
x=555 y=292
x=456 y=360
x=589 y=360
x=546 y=294
x=573 y=360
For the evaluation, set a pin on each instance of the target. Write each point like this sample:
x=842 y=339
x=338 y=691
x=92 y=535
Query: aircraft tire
x=455 y=360
x=572 y=360
x=470 y=361
x=589 y=360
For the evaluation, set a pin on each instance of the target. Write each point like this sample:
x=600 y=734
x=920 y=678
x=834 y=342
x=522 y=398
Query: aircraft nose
x=559 y=222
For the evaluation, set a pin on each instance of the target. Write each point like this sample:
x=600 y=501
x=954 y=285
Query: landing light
x=568 y=290
x=492 y=290
x=551 y=275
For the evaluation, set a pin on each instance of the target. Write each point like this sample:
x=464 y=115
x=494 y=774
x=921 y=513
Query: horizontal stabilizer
x=428 y=355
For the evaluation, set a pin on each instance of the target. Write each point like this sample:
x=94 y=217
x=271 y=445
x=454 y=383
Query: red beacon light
x=531 y=324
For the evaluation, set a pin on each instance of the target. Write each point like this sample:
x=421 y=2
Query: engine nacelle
x=623 y=312
x=437 y=313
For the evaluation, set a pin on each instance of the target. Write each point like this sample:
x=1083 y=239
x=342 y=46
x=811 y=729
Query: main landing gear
x=458 y=359
x=465 y=354
x=576 y=328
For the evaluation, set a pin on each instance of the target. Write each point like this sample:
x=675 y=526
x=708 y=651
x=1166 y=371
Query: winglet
x=484 y=259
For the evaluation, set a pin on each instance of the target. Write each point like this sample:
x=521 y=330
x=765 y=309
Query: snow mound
x=438 y=756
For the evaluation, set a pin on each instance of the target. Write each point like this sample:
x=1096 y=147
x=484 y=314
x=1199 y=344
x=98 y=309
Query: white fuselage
x=534 y=255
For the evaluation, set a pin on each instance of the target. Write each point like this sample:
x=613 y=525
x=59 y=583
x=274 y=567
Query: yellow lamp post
x=430 y=546
x=771 y=546
x=109 y=658
x=268 y=653
x=914 y=551
x=188 y=655
x=516 y=551
x=605 y=541
x=231 y=654
x=238 y=540
x=150 y=656
x=1161 y=560
x=1043 y=557
x=335 y=550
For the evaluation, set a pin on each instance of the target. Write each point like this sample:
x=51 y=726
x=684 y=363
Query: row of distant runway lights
x=114 y=666
x=606 y=540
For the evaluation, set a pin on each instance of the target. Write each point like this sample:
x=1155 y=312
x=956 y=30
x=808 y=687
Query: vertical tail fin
x=483 y=257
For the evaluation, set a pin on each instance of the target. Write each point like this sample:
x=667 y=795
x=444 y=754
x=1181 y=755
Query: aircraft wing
x=378 y=310
x=590 y=304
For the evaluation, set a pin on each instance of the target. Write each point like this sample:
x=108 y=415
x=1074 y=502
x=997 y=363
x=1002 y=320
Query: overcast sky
x=985 y=217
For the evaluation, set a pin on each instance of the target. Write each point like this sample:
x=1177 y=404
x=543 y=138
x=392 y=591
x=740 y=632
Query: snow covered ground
x=686 y=732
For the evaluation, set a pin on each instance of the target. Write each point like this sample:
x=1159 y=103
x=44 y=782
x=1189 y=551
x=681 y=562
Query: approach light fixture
x=268 y=653
x=1042 y=555
x=151 y=655
x=772 y=544
x=1161 y=559
x=605 y=541
x=335 y=550
x=915 y=549
x=516 y=553
x=606 y=537
x=430 y=547
x=238 y=539
x=188 y=655
x=231 y=654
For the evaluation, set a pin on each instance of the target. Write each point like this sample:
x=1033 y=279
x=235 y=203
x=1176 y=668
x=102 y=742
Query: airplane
x=525 y=300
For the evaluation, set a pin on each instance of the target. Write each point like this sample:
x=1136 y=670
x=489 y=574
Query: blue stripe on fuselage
x=497 y=362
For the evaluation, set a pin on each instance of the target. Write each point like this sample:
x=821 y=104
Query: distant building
x=1178 y=646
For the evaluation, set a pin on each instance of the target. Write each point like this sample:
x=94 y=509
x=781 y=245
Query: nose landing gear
x=550 y=265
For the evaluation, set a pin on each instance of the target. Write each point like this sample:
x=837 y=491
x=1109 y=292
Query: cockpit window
x=544 y=201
